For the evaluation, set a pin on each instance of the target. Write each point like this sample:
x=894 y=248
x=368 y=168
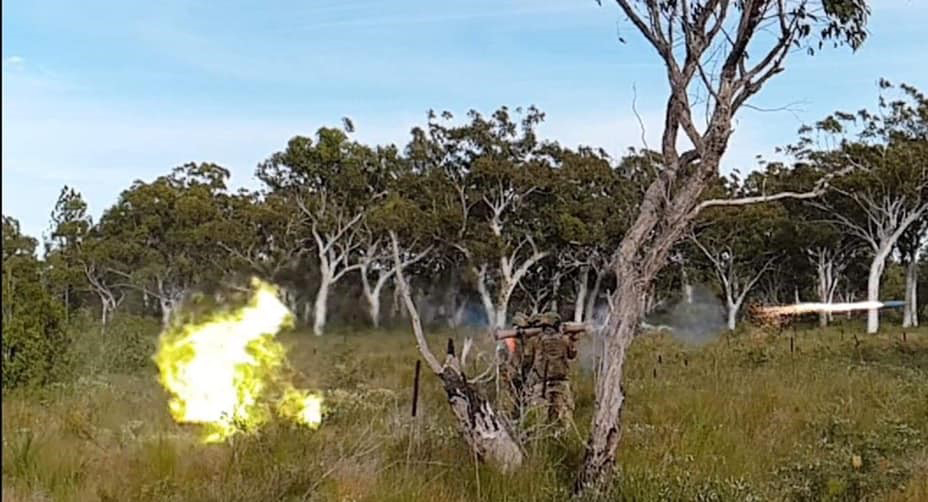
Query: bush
x=34 y=339
x=847 y=464
x=126 y=345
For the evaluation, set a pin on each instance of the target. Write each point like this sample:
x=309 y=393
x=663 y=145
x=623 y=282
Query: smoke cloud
x=694 y=323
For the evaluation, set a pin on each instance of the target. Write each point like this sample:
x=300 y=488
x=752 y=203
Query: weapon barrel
x=575 y=327
x=569 y=328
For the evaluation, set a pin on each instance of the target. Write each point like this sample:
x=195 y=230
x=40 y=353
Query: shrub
x=34 y=339
x=126 y=345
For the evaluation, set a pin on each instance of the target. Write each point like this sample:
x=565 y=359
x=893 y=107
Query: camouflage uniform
x=539 y=367
x=519 y=356
x=551 y=368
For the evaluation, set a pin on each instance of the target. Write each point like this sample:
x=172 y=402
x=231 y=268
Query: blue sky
x=99 y=93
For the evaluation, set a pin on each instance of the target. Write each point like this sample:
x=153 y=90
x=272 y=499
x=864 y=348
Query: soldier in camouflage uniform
x=551 y=368
x=517 y=368
x=539 y=366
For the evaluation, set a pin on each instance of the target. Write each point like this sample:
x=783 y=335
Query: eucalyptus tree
x=68 y=230
x=158 y=237
x=376 y=264
x=414 y=223
x=332 y=182
x=739 y=246
x=911 y=245
x=489 y=177
x=588 y=215
x=260 y=235
x=888 y=192
x=703 y=45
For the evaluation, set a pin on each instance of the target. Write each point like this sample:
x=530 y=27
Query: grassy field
x=841 y=417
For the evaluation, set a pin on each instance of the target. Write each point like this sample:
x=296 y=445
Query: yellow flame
x=222 y=372
x=302 y=406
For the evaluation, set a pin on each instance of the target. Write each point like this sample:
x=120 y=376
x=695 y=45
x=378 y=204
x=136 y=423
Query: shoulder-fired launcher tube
x=567 y=328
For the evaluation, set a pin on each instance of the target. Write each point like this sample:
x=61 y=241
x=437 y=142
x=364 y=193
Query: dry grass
x=738 y=419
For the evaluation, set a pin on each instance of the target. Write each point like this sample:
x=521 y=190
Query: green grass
x=742 y=419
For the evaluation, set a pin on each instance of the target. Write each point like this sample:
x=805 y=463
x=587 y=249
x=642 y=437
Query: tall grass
x=841 y=417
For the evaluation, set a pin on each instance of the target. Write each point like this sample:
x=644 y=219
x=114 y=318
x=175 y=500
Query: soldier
x=518 y=361
x=550 y=371
x=537 y=364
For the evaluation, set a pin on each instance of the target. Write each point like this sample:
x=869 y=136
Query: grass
x=842 y=417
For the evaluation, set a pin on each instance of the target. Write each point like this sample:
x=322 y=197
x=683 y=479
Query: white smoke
x=694 y=323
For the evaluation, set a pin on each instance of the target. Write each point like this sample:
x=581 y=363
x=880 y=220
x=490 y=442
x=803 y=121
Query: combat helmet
x=547 y=319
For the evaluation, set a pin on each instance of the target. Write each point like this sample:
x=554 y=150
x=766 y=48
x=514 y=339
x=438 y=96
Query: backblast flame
x=224 y=372
x=804 y=308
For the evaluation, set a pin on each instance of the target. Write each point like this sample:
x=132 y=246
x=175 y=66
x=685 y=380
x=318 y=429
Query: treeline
x=491 y=218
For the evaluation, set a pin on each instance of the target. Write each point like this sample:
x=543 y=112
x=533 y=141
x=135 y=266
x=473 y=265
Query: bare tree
x=704 y=46
x=830 y=262
x=110 y=296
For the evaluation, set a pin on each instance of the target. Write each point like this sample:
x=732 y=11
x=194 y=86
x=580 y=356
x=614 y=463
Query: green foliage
x=848 y=464
x=34 y=339
x=125 y=346
x=160 y=237
x=643 y=484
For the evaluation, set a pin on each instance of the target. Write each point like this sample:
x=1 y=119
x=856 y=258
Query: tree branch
x=403 y=286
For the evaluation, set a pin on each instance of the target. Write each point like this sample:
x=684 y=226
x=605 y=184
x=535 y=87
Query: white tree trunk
x=831 y=299
x=373 y=309
x=105 y=314
x=501 y=312
x=307 y=312
x=372 y=295
x=555 y=289
x=580 y=300
x=395 y=305
x=458 y=318
x=167 y=308
x=593 y=297
x=732 y=315
x=910 y=310
x=873 y=287
x=824 y=269
x=687 y=286
x=321 y=305
x=485 y=298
